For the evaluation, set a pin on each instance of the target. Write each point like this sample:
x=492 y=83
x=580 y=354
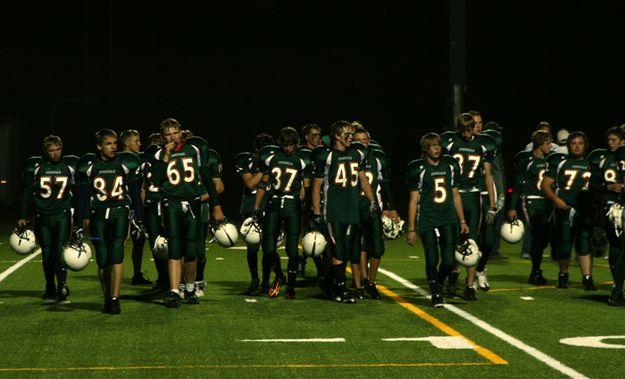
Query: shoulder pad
x=326 y=140
x=448 y=159
x=555 y=157
x=242 y=158
x=415 y=164
x=319 y=152
x=197 y=141
x=30 y=164
x=596 y=156
x=301 y=151
x=85 y=161
x=150 y=151
x=267 y=151
x=71 y=160
x=213 y=157
x=360 y=147
x=487 y=141
x=494 y=134
x=129 y=159
x=448 y=137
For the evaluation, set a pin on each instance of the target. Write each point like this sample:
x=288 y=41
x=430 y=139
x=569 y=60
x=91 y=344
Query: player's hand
x=22 y=222
x=258 y=216
x=137 y=230
x=511 y=215
x=411 y=237
x=374 y=208
x=464 y=228
x=501 y=201
x=491 y=215
x=315 y=221
x=218 y=214
x=392 y=214
x=561 y=204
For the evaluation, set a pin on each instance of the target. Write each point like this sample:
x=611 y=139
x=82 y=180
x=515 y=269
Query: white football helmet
x=22 y=241
x=226 y=234
x=160 y=249
x=467 y=253
x=615 y=215
x=314 y=243
x=76 y=255
x=562 y=135
x=390 y=228
x=512 y=231
x=251 y=231
x=281 y=238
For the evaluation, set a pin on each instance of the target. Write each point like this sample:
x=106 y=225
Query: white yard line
x=19 y=264
x=540 y=356
x=296 y=340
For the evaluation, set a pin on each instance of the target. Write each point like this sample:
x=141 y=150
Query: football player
x=247 y=165
x=284 y=174
x=48 y=180
x=109 y=185
x=529 y=171
x=606 y=180
x=339 y=170
x=573 y=208
x=182 y=168
x=130 y=140
x=432 y=182
x=475 y=174
x=377 y=171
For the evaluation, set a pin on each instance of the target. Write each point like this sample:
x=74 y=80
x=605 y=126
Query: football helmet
x=281 y=238
x=512 y=231
x=251 y=231
x=76 y=255
x=22 y=240
x=314 y=243
x=390 y=228
x=561 y=136
x=615 y=215
x=467 y=253
x=226 y=234
x=160 y=249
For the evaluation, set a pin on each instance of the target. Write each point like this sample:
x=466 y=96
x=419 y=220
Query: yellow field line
x=305 y=365
x=492 y=357
x=537 y=287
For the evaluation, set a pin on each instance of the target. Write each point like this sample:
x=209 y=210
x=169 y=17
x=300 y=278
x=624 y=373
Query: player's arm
x=546 y=187
x=366 y=186
x=261 y=190
x=490 y=184
x=251 y=180
x=464 y=228
x=413 y=204
x=316 y=195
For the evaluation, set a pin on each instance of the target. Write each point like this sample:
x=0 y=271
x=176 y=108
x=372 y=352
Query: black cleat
x=107 y=306
x=115 y=308
x=616 y=299
x=588 y=283
x=344 y=297
x=563 y=280
x=452 y=281
x=359 y=293
x=254 y=288
x=372 y=290
x=139 y=279
x=174 y=300
x=290 y=293
x=191 y=297
x=62 y=293
x=276 y=286
x=264 y=288
x=469 y=294
x=49 y=294
x=537 y=278
x=438 y=301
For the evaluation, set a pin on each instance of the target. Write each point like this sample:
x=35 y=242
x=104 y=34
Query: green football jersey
x=435 y=184
x=305 y=153
x=339 y=170
x=109 y=179
x=374 y=171
x=286 y=173
x=152 y=190
x=471 y=156
x=49 y=184
x=182 y=173
x=571 y=177
x=604 y=171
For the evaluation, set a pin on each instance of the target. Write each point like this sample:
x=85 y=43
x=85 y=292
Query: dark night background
x=230 y=69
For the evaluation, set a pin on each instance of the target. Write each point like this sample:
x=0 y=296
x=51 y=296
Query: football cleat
x=390 y=228
x=359 y=293
x=226 y=234
x=251 y=231
x=314 y=243
x=49 y=294
x=160 y=249
x=616 y=299
x=469 y=294
x=438 y=301
x=264 y=288
x=537 y=278
x=174 y=300
x=253 y=289
x=76 y=255
x=62 y=293
x=114 y=307
x=512 y=231
x=452 y=282
x=199 y=288
x=290 y=293
x=372 y=291
x=276 y=286
x=138 y=279
x=482 y=280
x=342 y=295
x=588 y=283
x=467 y=253
x=22 y=240
x=191 y=297
x=563 y=280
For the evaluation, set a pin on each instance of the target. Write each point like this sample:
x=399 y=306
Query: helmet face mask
x=314 y=243
x=467 y=253
x=390 y=228
x=251 y=231
x=76 y=255
x=615 y=215
x=512 y=231
x=22 y=240
x=226 y=234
